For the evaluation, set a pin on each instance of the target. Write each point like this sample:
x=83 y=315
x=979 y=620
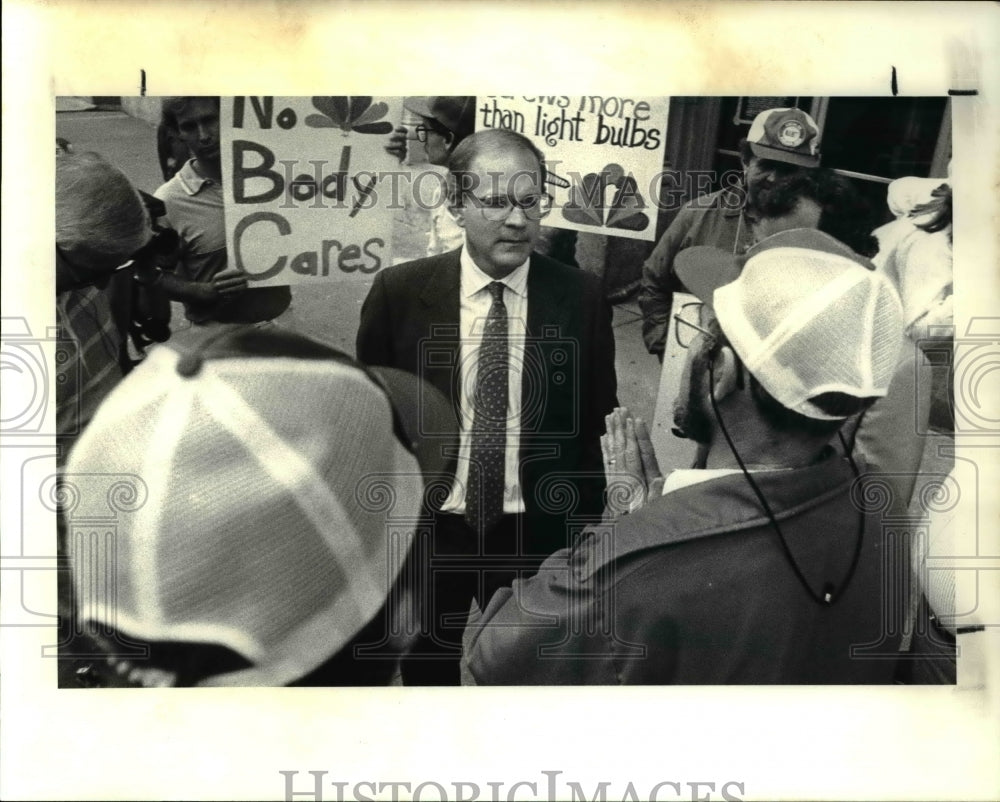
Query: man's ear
x=458 y=213
x=725 y=372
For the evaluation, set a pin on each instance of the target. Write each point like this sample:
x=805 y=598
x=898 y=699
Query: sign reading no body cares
x=301 y=187
x=607 y=149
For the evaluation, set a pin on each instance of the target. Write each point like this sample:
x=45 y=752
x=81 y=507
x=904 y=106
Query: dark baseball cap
x=454 y=112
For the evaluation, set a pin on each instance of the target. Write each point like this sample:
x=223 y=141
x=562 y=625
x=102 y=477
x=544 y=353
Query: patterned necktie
x=485 y=489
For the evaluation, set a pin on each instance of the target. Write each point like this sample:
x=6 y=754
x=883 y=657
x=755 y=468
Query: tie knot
x=496 y=290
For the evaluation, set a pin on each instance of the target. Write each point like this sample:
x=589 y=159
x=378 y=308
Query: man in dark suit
x=523 y=347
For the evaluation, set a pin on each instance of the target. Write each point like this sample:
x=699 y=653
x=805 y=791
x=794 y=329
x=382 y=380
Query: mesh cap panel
x=807 y=322
x=253 y=534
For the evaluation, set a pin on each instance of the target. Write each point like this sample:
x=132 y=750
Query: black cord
x=857 y=475
x=830 y=592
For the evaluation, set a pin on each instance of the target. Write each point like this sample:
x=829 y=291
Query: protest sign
x=606 y=154
x=308 y=187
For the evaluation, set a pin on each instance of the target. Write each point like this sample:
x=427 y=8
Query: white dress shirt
x=474 y=306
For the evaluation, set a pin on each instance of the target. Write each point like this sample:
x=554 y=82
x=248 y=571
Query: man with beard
x=759 y=567
x=817 y=198
x=209 y=289
x=782 y=145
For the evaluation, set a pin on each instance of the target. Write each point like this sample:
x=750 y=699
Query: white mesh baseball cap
x=283 y=485
x=806 y=315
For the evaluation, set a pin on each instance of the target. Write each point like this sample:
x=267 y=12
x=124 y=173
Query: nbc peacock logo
x=609 y=198
x=349 y=114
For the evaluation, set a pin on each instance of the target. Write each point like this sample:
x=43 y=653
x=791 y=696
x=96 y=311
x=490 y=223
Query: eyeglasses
x=422 y=131
x=499 y=207
x=687 y=324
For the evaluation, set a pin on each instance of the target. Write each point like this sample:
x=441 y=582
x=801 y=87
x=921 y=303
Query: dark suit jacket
x=410 y=320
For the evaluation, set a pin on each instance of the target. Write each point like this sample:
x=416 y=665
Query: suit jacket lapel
x=440 y=298
x=546 y=306
x=548 y=315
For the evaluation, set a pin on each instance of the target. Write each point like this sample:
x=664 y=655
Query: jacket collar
x=441 y=289
x=547 y=309
x=723 y=505
x=545 y=293
x=472 y=279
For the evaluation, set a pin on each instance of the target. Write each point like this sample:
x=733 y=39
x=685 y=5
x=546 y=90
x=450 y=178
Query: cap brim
x=778 y=155
x=419 y=105
x=423 y=417
x=704 y=269
x=809 y=239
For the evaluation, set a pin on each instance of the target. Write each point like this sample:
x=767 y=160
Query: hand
x=397 y=143
x=146 y=676
x=229 y=282
x=633 y=473
x=650 y=465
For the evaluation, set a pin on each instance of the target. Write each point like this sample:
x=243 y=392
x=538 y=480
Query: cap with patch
x=454 y=112
x=785 y=135
x=283 y=482
x=806 y=315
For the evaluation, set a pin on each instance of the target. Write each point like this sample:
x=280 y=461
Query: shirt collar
x=475 y=280
x=191 y=181
x=685 y=477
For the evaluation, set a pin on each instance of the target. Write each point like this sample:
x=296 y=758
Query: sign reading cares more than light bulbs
x=604 y=154
x=303 y=181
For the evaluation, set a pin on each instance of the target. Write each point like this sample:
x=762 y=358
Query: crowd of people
x=464 y=495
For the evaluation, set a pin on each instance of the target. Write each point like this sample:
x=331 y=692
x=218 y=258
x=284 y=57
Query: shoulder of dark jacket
x=717 y=506
x=418 y=269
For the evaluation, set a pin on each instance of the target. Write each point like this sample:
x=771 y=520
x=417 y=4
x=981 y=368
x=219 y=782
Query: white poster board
x=604 y=154
x=671 y=452
x=308 y=187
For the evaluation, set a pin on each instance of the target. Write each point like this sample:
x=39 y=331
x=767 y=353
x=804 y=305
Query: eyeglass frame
x=714 y=339
x=679 y=319
x=422 y=130
x=490 y=212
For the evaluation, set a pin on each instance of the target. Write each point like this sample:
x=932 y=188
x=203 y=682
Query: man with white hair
x=762 y=566
x=101 y=227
